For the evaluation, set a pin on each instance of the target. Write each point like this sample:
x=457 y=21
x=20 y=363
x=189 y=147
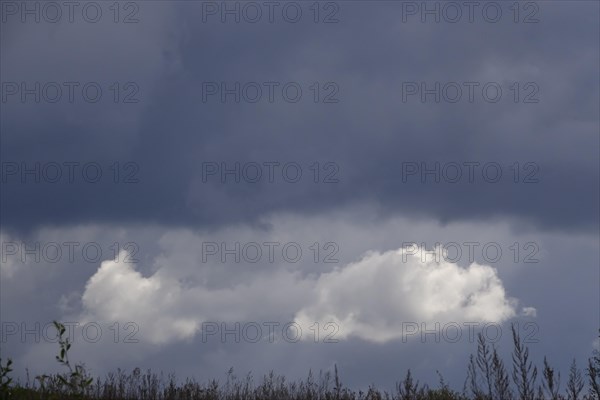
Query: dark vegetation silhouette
x=487 y=379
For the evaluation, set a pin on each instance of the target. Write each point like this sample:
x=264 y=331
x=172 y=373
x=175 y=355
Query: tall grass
x=487 y=378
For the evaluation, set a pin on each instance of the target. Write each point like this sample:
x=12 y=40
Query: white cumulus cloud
x=373 y=297
x=168 y=309
x=369 y=299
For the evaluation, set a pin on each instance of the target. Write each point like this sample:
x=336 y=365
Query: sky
x=194 y=185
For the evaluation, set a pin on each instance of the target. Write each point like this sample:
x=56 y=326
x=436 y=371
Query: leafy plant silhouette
x=77 y=380
x=5 y=381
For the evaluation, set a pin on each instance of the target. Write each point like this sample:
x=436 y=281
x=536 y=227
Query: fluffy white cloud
x=169 y=309
x=119 y=292
x=373 y=297
x=369 y=299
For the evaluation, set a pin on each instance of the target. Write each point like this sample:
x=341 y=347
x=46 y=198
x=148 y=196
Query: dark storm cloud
x=370 y=134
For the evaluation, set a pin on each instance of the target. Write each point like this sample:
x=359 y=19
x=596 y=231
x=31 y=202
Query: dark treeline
x=488 y=377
